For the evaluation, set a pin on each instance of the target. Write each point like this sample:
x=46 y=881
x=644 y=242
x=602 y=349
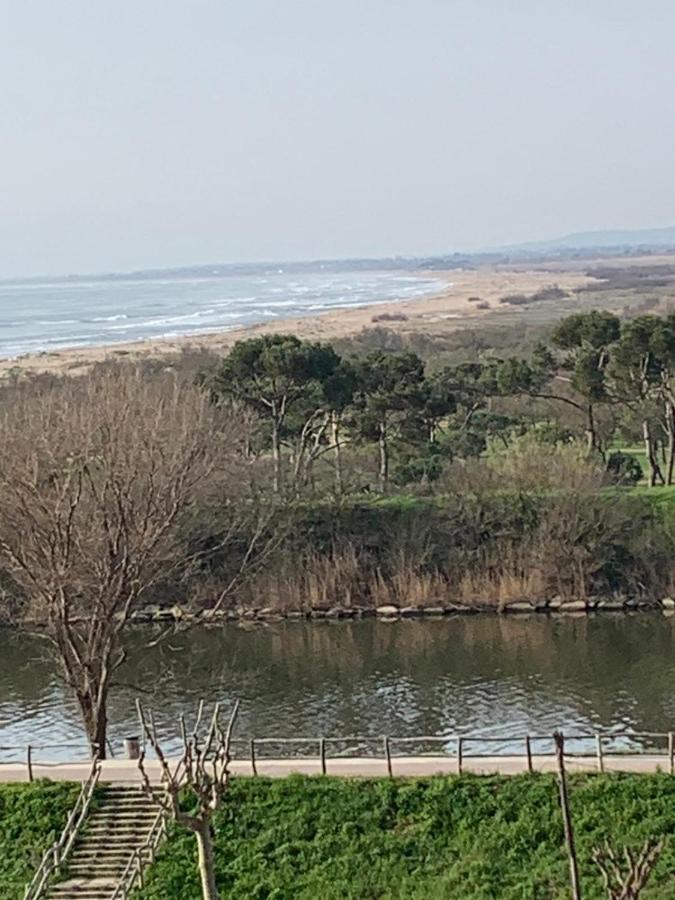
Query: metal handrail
x=140 y=858
x=54 y=858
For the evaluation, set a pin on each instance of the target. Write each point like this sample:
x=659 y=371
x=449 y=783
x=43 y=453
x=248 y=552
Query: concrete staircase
x=118 y=826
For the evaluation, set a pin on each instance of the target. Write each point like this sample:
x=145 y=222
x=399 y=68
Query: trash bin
x=132 y=748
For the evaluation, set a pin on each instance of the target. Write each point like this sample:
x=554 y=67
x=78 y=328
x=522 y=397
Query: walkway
x=124 y=771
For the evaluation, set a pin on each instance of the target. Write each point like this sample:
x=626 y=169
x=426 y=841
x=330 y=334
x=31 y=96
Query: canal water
x=475 y=675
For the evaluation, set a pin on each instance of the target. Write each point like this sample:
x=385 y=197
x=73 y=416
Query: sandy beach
x=449 y=309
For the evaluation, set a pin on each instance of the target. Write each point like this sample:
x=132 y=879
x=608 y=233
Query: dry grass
x=316 y=580
x=502 y=587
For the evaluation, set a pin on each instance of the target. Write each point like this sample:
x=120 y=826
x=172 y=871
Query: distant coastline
x=41 y=316
x=439 y=300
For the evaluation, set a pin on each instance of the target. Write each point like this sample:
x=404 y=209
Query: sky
x=152 y=133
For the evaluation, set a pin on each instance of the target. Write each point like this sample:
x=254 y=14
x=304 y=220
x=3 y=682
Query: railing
x=140 y=858
x=26 y=754
x=58 y=853
x=460 y=743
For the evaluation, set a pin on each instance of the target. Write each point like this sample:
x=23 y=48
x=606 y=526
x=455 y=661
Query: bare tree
x=625 y=879
x=97 y=477
x=202 y=774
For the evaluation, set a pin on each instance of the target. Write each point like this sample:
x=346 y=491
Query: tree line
x=312 y=402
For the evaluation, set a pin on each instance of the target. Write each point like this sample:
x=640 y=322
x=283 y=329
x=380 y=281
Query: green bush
x=32 y=817
x=624 y=469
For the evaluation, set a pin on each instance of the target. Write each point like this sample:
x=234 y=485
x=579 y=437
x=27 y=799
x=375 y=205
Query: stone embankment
x=390 y=612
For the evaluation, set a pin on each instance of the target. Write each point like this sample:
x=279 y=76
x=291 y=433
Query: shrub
x=624 y=469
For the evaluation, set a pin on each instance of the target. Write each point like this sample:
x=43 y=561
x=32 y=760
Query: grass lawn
x=468 y=838
x=32 y=817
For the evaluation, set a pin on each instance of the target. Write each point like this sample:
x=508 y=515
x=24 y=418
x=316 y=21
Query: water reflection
x=482 y=674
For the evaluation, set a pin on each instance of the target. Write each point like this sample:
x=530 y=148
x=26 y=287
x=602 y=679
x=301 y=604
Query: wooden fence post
x=460 y=754
x=254 y=768
x=601 y=761
x=29 y=761
x=559 y=742
x=322 y=753
x=671 y=752
x=528 y=752
x=387 y=753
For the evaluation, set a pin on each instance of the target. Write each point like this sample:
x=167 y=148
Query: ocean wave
x=92 y=310
x=164 y=320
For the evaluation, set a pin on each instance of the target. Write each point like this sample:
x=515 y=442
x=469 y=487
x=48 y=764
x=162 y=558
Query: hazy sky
x=138 y=133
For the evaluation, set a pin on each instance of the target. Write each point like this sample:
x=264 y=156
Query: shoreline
x=178 y=615
x=439 y=312
x=393 y=613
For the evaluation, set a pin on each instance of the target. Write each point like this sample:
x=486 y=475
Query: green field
x=474 y=838
x=32 y=817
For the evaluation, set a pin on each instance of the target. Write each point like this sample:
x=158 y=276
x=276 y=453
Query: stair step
x=93 y=853
x=83 y=890
x=115 y=831
x=93 y=847
x=124 y=815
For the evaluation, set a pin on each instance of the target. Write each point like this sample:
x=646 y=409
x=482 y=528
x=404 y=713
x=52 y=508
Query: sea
x=46 y=315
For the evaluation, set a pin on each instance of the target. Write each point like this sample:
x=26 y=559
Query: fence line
x=389 y=748
x=460 y=742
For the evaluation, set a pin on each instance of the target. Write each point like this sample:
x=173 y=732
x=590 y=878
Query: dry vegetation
x=99 y=478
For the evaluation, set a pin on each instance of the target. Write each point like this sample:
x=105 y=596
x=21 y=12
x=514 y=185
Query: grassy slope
x=471 y=838
x=32 y=817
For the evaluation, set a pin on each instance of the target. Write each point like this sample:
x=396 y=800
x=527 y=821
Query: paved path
x=124 y=771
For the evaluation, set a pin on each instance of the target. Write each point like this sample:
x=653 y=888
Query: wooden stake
x=322 y=752
x=29 y=761
x=528 y=751
x=460 y=754
x=387 y=753
x=254 y=768
x=601 y=761
x=559 y=742
x=671 y=752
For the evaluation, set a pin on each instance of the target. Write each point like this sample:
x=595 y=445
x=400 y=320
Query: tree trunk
x=95 y=718
x=276 y=455
x=337 y=452
x=207 y=869
x=383 y=476
x=670 y=423
x=591 y=434
x=655 y=473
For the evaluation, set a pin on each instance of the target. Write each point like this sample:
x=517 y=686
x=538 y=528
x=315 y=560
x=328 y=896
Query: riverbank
x=453 y=307
x=391 y=613
x=468 y=837
x=404 y=839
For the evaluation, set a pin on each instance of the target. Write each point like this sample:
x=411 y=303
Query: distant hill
x=584 y=240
